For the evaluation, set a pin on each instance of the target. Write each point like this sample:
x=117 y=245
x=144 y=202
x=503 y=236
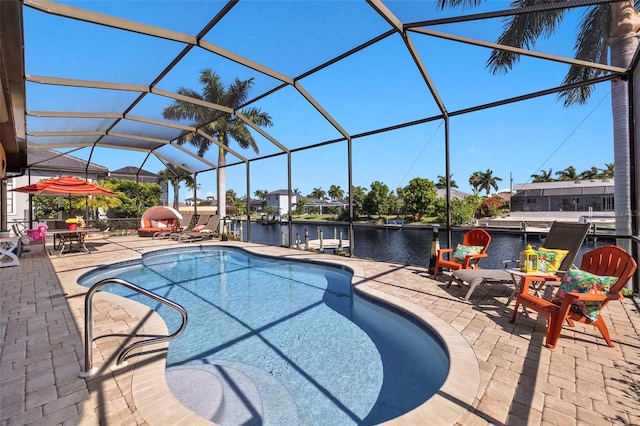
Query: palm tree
x=592 y=173
x=607 y=172
x=606 y=26
x=567 y=174
x=190 y=183
x=488 y=181
x=442 y=182
x=175 y=175
x=335 y=192
x=318 y=193
x=260 y=194
x=231 y=196
x=219 y=125
x=103 y=202
x=543 y=176
x=475 y=180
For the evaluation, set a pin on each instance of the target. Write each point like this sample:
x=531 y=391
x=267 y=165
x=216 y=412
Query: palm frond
x=591 y=45
x=212 y=87
x=465 y=4
x=238 y=92
x=239 y=131
x=523 y=31
x=257 y=116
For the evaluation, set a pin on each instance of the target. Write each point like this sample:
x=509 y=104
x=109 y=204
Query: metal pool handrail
x=89 y=370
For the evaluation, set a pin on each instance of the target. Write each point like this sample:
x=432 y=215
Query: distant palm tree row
x=570 y=174
x=479 y=181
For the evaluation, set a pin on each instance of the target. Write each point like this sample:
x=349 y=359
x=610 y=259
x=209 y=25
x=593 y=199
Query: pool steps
x=233 y=393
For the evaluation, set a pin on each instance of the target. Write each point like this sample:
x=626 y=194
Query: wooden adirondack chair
x=447 y=257
x=606 y=261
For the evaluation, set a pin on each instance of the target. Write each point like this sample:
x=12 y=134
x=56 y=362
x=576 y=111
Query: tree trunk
x=625 y=24
x=222 y=183
x=176 y=195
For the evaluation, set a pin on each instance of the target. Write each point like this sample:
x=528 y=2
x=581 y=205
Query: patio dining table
x=67 y=240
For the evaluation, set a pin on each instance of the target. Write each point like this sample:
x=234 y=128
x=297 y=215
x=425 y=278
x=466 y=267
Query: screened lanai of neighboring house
x=362 y=84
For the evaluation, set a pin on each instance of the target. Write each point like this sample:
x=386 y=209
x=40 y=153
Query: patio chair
x=205 y=228
x=564 y=239
x=583 y=293
x=30 y=237
x=185 y=222
x=212 y=227
x=466 y=255
x=201 y=223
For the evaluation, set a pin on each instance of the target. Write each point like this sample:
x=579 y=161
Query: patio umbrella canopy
x=65 y=185
x=161 y=212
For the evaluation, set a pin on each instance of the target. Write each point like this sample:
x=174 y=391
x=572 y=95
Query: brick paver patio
x=582 y=381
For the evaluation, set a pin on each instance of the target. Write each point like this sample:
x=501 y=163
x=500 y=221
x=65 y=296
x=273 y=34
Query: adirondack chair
x=466 y=255
x=583 y=292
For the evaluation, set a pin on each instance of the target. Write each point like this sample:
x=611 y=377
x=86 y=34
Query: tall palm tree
x=475 y=180
x=335 y=192
x=488 y=181
x=174 y=175
x=221 y=126
x=442 y=182
x=567 y=174
x=190 y=183
x=318 y=193
x=607 y=26
x=543 y=176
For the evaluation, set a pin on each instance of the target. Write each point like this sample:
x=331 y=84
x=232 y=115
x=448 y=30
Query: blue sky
x=377 y=87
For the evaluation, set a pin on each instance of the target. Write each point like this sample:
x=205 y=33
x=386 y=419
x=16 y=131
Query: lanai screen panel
x=325 y=71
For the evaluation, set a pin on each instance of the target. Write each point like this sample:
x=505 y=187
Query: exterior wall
x=280 y=202
x=560 y=203
x=590 y=196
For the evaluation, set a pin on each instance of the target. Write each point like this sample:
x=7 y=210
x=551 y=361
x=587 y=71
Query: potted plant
x=73 y=223
x=4 y=233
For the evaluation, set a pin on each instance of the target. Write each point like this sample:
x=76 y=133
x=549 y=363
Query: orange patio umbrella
x=65 y=185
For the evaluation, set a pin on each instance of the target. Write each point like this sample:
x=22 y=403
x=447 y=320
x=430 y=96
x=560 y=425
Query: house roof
x=455 y=194
x=578 y=187
x=281 y=192
x=132 y=171
x=558 y=188
x=48 y=159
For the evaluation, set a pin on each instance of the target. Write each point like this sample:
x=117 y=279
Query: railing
x=89 y=370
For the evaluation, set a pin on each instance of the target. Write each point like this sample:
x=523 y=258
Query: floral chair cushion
x=558 y=257
x=577 y=281
x=463 y=251
x=545 y=260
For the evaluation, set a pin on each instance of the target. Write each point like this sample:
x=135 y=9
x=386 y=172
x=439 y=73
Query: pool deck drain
x=519 y=380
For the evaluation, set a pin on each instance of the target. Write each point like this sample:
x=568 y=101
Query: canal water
x=407 y=245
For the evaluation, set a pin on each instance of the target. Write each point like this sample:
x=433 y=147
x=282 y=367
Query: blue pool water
x=315 y=352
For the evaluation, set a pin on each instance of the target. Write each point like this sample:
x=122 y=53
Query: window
x=607 y=203
x=10 y=204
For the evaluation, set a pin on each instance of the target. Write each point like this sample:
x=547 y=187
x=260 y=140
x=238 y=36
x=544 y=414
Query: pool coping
x=150 y=391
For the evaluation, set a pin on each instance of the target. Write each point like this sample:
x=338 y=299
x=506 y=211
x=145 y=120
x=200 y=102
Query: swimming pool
x=294 y=334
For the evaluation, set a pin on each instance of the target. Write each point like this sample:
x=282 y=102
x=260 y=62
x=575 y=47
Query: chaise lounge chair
x=564 y=236
x=204 y=229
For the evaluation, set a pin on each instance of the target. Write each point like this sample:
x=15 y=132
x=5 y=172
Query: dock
x=327 y=244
